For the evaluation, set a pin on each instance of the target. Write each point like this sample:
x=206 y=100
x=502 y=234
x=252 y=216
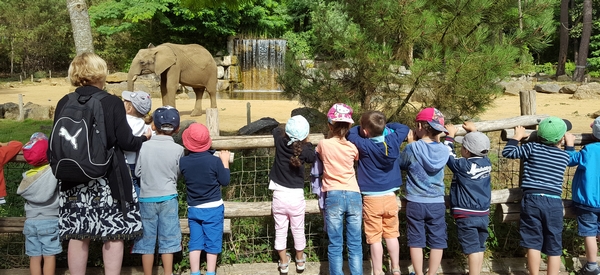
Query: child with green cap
x=544 y=164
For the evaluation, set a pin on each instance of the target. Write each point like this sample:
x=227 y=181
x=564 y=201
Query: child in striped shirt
x=544 y=164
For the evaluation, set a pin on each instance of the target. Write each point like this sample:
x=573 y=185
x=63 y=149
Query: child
x=379 y=177
x=586 y=194
x=39 y=188
x=287 y=183
x=544 y=164
x=204 y=175
x=424 y=161
x=137 y=106
x=8 y=151
x=157 y=167
x=343 y=200
x=471 y=192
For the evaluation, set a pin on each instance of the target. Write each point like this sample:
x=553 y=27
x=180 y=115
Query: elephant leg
x=168 y=91
x=211 y=88
x=198 y=111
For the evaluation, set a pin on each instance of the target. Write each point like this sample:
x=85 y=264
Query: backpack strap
x=117 y=170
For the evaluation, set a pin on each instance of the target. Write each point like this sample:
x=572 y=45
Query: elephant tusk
x=134 y=78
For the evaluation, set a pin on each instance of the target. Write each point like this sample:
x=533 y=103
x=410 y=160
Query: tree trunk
x=80 y=22
x=520 y=16
x=564 y=37
x=584 y=46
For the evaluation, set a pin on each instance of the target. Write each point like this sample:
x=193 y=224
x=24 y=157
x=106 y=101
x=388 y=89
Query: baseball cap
x=596 y=128
x=477 y=143
x=140 y=100
x=340 y=112
x=34 y=151
x=196 y=138
x=166 y=118
x=552 y=129
x=297 y=128
x=434 y=117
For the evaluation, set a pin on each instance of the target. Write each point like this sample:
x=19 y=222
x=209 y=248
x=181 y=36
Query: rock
x=316 y=119
x=512 y=87
x=263 y=126
x=9 y=110
x=548 y=88
x=587 y=91
x=182 y=126
x=595 y=114
x=563 y=78
x=222 y=85
x=421 y=95
x=568 y=89
x=220 y=72
x=36 y=111
x=116 y=88
x=116 y=77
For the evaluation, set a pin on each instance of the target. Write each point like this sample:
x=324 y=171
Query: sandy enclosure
x=233 y=114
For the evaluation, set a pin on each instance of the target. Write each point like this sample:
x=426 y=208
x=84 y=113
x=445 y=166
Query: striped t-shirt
x=543 y=166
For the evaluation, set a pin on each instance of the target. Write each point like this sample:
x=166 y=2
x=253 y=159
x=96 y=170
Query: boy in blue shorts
x=424 y=160
x=586 y=194
x=471 y=192
x=204 y=175
x=157 y=167
x=544 y=165
x=379 y=177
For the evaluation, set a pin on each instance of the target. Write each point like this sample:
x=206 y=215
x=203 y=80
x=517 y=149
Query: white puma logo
x=72 y=138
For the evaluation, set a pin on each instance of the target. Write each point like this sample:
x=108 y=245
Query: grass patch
x=22 y=130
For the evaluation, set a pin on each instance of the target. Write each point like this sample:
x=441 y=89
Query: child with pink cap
x=204 y=175
x=343 y=202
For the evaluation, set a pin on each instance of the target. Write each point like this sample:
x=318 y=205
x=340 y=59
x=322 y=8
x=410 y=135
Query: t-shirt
x=338 y=156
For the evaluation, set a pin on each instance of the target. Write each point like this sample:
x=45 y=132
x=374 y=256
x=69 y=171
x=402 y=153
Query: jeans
x=339 y=205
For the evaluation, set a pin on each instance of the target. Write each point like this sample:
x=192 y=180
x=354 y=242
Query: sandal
x=284 y=268
x=301 y=261
x=394 y=271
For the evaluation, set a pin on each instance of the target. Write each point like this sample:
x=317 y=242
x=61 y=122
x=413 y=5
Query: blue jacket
x=471 y=189
x=586 y=182
x=425 y=164
x=378 y=162
x=204 y=175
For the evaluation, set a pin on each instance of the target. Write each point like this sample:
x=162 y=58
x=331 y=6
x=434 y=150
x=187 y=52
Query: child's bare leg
x=167 y=260
x=591 y=249
x=475 y=263
x=435 y=260
x=534 y=257
x=300 y=256
x=393 y=248
x=416 y=257
x=211 y=262
x=35 y=265
x=49 y=265
x=377 y=258
x=553 y=265
x=147 y=263
x=195 y=260
x=282 y=256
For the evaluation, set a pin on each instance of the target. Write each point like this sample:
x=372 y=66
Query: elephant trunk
x=131 y=77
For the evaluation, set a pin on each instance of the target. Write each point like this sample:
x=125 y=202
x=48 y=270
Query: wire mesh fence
x=252 y=239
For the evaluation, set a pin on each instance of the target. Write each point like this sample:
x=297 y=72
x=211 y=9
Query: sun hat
x=552 y=129
x=477 y=143
x=140 y=100
x=166 y=118
x=340 y=112
x=297 y=128
x=196 y=138
x=434 y=117
x=596 y=128
x=34 y=151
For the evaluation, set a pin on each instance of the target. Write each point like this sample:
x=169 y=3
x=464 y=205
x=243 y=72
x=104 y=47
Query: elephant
x=191 y=65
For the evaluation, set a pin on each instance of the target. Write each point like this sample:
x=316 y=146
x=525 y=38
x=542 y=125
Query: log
x=580 y=139
x=251 y=142
x=501 y=124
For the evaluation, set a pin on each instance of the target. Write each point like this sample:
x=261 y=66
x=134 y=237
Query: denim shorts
x=206 y=229
x=541 y=224
x=588 y=222
x=472 y=233
x=159 y=220
x=41 y=237
x=426 y=225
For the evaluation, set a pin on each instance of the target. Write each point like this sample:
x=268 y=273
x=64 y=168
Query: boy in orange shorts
x=379 y=176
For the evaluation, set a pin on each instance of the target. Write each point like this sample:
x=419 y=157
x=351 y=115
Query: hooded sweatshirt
x=425 y=165
x=378 y=168
x=41 y=192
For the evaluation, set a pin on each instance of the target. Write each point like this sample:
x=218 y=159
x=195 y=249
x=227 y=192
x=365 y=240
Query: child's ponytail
x=295 y=159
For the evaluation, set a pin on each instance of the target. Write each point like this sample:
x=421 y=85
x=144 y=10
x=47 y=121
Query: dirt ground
x=232 y=113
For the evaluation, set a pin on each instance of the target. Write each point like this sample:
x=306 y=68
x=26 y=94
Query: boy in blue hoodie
x=471 y=192
x=424 y=160
x=378 y=177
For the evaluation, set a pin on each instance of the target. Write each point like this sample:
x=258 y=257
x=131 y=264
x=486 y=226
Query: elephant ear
x=164 y=58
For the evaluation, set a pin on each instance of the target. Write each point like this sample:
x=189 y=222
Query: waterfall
x=260 y=60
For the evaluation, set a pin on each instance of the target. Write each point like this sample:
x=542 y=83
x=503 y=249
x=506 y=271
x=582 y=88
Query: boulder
x=116 y=77
x=8 y=110
x=568 y=89
x=316 y=119
x=595 y=114
x=563 y=78
x=263 y=126
x=116 y=88
x=36 y=111
x=512 y=87
x=548 y=88
x=588 y=91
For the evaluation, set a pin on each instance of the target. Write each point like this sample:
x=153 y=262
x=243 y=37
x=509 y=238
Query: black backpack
x=78 y=141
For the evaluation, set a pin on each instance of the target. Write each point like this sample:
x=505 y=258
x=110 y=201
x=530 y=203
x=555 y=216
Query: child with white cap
x=586 y=194
x=204 y=175
x=470 y=192
x=287 y=182
x=39 y=188
x=137 y=106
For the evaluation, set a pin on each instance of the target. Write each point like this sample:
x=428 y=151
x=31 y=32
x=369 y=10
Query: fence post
x=248 y=117
x=21 y=110
x=212 y=121
x=528 y=107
